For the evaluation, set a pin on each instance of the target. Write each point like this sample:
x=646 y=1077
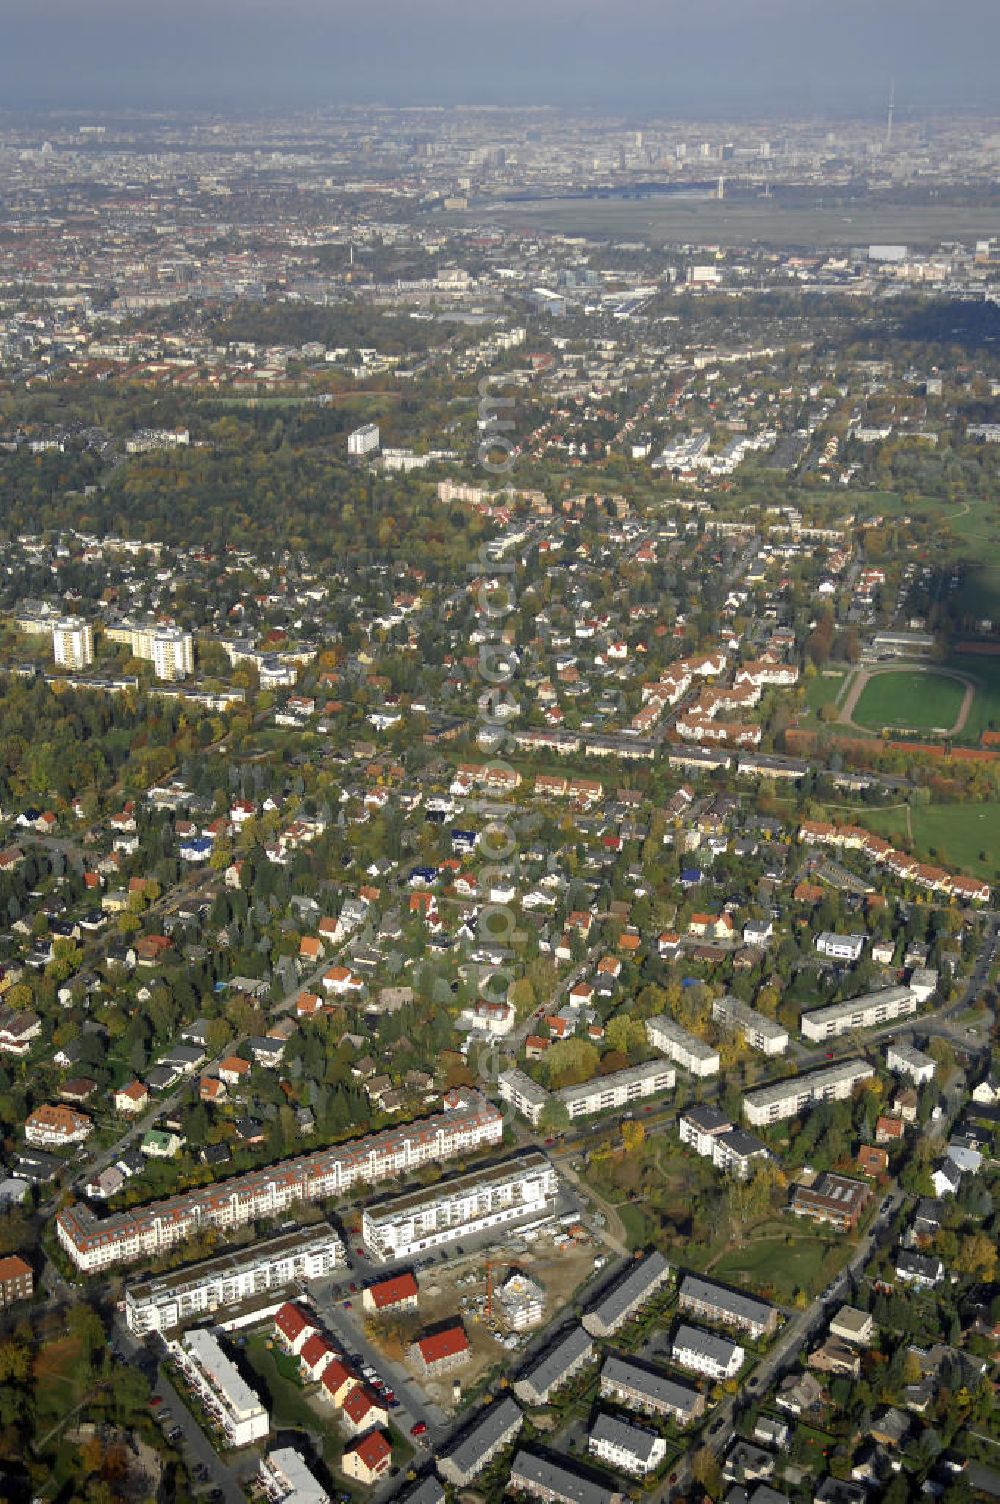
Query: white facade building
x=521 y=1189
x=170 y=1300
x=626 y=1447
x=859 y=1013
x=363 y=440
x=222 y=1389
x=785 y=1099
x=173 y=654
x=703 y=1352
x=759 y=1031
x=73 y=642
x=285 y=1478
x=619 y=1089
x=840 y=947
x=911 y=1062
x=681 y=1047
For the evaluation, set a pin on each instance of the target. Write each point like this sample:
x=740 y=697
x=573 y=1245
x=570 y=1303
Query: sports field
x=918 y=701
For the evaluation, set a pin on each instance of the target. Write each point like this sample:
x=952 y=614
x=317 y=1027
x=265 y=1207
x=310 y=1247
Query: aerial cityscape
x=499 y=775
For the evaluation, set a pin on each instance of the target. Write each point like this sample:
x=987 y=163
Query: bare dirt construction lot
x=459 y=1289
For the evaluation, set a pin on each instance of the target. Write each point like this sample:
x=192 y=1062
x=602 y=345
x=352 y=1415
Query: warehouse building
x=787 y=1098
x=520 y=1189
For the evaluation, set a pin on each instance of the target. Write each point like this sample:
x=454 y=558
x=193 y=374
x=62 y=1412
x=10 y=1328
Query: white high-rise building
x=173 y=654
x=362 y=441
x=73 y=642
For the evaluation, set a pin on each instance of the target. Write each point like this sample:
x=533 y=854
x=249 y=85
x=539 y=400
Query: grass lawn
x=636 y=1224
x=985 y=712
x=963 y=836
x=775 y=1267
x=287 y=1402
x=919 y=701
x=823 y=690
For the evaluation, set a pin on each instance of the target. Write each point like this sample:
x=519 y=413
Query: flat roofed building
x=554 y=1483
x=682 y=1048
x=703 y=1352
x=737 y=1151
x=556 y=1366
x=495 y=1426
x=700 y=1126
x=221 y=1387
x=144 y=1231
x=626 y=1447
x=852 y=1325
x=618 y=1089
x=712 y=1302
x=638 y=1283
x=840 y=947
x=285 y=1478
x=185 y=1295
x=640 y=1388
x=794 y=1094
x=759 y=1032
x=909 y=1061
x=73 y=642
x=525 y=1187
x=523 y=1094
x=859 y=1013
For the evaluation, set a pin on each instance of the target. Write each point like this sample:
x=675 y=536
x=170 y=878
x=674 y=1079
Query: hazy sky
x=670 y=56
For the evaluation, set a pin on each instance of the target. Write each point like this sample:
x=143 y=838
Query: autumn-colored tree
x=633 y=1135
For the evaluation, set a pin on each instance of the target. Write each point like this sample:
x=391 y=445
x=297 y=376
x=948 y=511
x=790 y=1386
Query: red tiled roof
x=389 y=1292
x=441 y=1345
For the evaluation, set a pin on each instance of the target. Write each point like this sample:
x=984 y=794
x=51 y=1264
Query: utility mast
x=892 y=111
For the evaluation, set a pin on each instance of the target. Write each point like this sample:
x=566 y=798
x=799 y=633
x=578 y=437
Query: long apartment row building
x=141 y=1232
x=680 y=1046
x=186 y=1295
x=787 y=1098
x=522 y=1189
x=859 y=1013
x=603 y=1094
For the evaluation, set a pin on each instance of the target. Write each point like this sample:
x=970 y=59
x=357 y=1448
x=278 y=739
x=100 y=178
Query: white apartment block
x=840 y=947
x=523 y=1094
x=858 y=1013
x=681 y=1047
x=619 y=1089
x=520 y=1189
x=759 y=1032
x=285 y=1478
x=625 y=1447
x=908 y=1061
x=363 y=440
x=703 y=1352
x=785 y=1099
x=73 y=642
x=227 y=1397
x=186 y=1295
x=173 y=654
x=95 y=1243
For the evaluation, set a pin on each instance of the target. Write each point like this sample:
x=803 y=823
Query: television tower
x=892 y=111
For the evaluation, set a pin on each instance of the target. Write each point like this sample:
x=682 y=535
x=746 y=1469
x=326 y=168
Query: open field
x=963 y=837
x=823 y=690
x=985 y=711
x=777 y=1260
x=917 y=700
x=659 y=220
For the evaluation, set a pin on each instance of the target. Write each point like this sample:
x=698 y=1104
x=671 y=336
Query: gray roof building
x=640 y=1388
x=556 y=1484
x=638 y=1284
x=494 y=1428
x=569 y=1353
x=702 y=1297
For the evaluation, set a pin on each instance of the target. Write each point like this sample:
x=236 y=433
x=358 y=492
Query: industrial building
x=523 y=1188
x=784 y=1099
x=859 y=1013
x=682 y=1048
x=185 y=1295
